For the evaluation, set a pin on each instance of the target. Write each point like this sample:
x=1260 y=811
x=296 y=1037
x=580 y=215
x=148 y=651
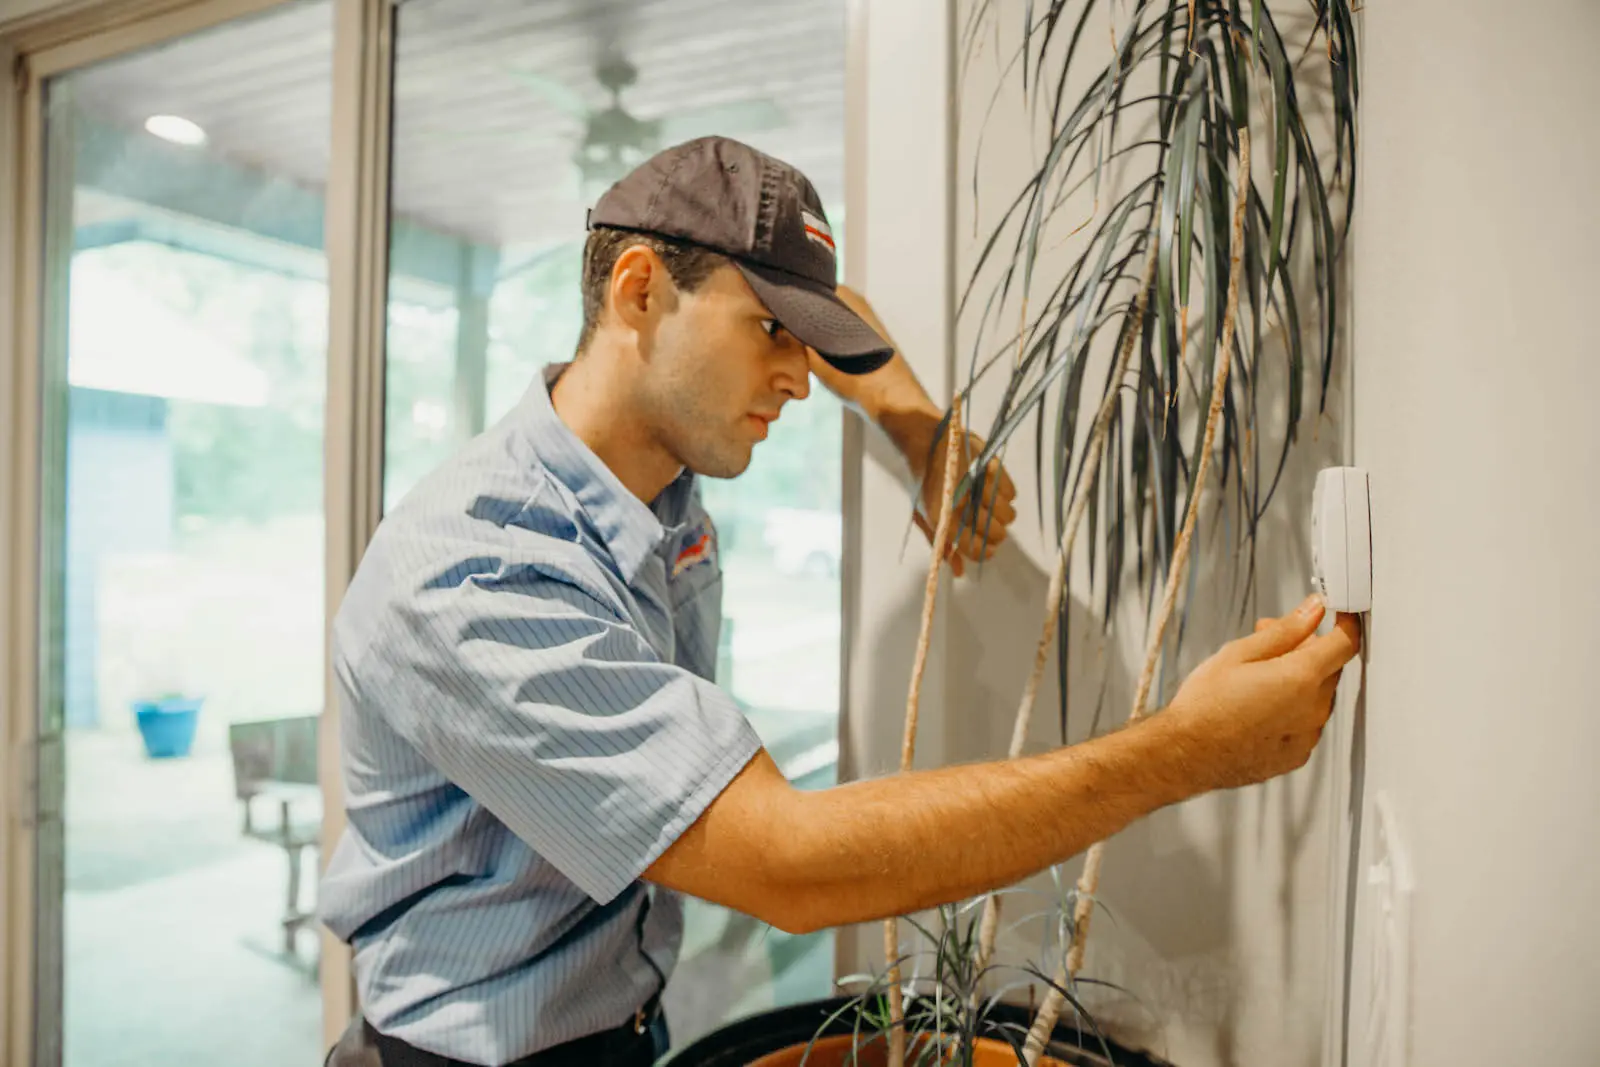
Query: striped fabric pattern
x=524 y=660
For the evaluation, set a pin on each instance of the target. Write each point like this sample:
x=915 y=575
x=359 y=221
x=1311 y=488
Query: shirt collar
x=632 y=530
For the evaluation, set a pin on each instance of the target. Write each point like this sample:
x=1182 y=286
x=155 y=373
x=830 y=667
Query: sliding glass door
x=225 y=374
x=183 y=356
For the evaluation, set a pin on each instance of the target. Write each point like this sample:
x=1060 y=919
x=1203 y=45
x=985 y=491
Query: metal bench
x=275 y=766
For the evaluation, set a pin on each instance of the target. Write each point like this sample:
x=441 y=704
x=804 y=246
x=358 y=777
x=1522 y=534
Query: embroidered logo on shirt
x=702 y=548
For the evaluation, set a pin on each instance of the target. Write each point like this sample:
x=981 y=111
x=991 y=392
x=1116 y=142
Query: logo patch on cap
x=817 y=230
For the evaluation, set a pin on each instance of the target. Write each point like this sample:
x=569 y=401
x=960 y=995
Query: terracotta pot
x=835 y=1052
x=778 y=1038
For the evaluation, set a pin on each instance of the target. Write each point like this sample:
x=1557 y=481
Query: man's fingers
x=976 y=539
x=1328 y=654
x=1329 y=690
x=952 y=554
x=1004 y=487
x=973 y=544
x=1266 y=624
x=994 y=485
x=997 y=484
x=1283 y=635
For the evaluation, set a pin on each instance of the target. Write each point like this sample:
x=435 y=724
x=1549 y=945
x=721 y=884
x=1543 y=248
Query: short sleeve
x=557 y=716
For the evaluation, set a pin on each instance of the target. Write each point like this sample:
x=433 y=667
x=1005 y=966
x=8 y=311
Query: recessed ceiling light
x=176 y=129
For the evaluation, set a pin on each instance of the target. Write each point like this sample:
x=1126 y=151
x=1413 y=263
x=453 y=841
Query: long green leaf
x=1188 y=157
x=1255 y=29
x=1202 y=94
x=1107 y=240
x=1166 y=234
x=1322 y=248
x=1168 y=20
x=1278 y=72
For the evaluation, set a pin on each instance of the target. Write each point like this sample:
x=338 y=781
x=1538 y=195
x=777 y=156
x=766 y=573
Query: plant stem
x=908 y=743
x=990 y=925
x=1044 y=1023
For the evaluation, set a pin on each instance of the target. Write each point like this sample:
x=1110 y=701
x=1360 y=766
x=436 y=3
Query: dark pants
x=362 y=1046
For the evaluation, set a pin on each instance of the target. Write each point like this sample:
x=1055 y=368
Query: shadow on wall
x=1218 y=917
x=1167 y=896
x=1214 y=917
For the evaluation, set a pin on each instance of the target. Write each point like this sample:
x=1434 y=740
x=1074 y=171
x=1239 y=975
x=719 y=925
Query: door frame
x=64 y=37
x=20 y=229
x=356 y=242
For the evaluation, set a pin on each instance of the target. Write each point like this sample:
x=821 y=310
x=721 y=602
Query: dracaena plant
x=950 y=998
x=1215 y=141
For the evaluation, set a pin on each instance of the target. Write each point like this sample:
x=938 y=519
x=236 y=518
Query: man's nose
x=795 y=377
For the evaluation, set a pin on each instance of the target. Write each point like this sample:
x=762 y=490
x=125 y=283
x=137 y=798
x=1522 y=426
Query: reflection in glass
x=186 y=297
x=511 y=117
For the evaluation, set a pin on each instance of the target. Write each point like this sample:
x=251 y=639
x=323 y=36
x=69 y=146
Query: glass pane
x=505 y=132
x=188 y=664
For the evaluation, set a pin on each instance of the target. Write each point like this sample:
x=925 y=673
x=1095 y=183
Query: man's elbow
x=785 y=894
x=797 y=925
x=791 y=887
x=794 y=910
x=757 y=850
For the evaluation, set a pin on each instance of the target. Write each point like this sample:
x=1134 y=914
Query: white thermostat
x=1341 y=539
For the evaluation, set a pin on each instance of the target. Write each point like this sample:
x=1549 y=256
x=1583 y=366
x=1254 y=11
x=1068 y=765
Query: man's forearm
x=896 y=845
x=890 y=397
x=893 y=399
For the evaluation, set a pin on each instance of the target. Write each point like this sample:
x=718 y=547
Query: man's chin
x=730 y=465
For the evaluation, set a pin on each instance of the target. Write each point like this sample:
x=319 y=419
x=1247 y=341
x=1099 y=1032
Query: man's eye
x=771 y=327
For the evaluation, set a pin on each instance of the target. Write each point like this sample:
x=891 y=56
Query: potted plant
x=1209 y=253
x=166 y=711
x=951 y=1013
x=167 y=724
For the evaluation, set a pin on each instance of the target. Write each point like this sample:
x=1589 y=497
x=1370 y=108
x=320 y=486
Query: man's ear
x=640 y=288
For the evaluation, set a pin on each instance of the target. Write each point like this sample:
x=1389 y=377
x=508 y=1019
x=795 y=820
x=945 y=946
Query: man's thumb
x=1282 y=636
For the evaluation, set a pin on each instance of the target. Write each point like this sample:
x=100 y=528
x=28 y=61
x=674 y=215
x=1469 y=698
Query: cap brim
x=814 y=313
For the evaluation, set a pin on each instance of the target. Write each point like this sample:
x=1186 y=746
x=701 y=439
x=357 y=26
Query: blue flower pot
x=167 y=726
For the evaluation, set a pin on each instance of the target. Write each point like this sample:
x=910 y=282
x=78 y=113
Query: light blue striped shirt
x=524 y=660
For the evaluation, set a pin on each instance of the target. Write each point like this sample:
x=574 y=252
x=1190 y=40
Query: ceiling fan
x=615 y=140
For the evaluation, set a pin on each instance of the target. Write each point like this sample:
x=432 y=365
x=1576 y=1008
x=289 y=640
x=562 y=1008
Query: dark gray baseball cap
x=763 y=215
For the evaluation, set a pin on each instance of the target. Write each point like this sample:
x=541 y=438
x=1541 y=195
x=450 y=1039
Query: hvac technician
x=535 y=759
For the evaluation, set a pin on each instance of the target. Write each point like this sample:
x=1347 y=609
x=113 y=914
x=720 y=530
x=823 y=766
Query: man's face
x=718 y=370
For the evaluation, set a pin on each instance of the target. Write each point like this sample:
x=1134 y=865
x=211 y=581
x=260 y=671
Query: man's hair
x=688 y=265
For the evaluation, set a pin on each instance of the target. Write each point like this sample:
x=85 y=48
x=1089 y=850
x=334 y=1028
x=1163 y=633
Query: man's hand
x=1256 y=708
x=980 y=538
x=895 y=401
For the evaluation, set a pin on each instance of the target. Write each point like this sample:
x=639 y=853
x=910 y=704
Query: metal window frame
x=20 y=229
x=32 y=50
x=853 y=450
x=93 y=33
x=357 y=247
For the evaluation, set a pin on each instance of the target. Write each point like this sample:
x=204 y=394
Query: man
x=535 y=760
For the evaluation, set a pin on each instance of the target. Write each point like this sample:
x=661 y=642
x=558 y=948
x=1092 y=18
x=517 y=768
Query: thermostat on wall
x=1341 y=539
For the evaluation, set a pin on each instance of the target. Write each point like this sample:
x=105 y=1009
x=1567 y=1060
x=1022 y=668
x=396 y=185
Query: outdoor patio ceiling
x=489 y=95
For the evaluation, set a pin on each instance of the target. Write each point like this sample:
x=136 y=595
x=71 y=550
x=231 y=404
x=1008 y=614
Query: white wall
x=1476 y=379
x=896 y=251
x=1223 y=906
